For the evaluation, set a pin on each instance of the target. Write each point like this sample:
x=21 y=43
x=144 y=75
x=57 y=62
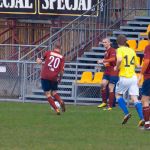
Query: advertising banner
x=46 y=8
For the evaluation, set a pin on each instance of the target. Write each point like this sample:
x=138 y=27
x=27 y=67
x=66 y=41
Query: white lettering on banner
x=65 y=4
x=16 y=4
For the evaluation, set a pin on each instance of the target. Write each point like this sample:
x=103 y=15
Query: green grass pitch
x=28 y=126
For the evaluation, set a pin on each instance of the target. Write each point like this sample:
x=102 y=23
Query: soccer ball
x=57 y=104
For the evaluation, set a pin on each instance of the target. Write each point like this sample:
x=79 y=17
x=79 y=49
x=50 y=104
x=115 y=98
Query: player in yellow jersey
x=128 y=82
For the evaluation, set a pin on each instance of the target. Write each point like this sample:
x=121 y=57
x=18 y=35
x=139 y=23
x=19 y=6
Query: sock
x=138 y=106
x=52 y=103
x=57 y=97
x=146 y=113
x=104 y=95
x=111 y=99
x=122 y=105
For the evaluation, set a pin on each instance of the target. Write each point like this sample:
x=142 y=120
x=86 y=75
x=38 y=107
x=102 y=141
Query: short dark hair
x=149 y=35
x=121 y=40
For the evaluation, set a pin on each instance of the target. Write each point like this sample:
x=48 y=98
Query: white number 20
x=54 y=62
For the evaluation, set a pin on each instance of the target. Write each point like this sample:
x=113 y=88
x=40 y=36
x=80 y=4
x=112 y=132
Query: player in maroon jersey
x=51 y=74
x=146 y=85
x=110 y=77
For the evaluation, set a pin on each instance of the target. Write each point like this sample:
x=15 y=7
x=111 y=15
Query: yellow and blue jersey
x=128 y=63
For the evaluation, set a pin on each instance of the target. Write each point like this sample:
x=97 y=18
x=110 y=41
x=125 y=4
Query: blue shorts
x=111 y=79
x=48 y=85
x=146 y=88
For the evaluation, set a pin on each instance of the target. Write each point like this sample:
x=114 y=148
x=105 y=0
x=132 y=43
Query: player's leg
x=58 y=98
x=134 y=93
x=46 y=86
x=56 y=95
x=121 y=87
x=103 y=91
x=111 y=96
x=145 y=102
x=138 y=106
x=146 y=111
x=112 y=82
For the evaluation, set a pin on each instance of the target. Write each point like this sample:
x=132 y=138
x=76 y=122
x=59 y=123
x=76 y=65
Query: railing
x=19 y=78
x=86 y=30
x=15 y=51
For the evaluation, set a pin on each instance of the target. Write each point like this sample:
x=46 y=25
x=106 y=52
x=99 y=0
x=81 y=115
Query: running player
x=110 y=77
x=146 y=85
x=51 y=73
x=126 y=63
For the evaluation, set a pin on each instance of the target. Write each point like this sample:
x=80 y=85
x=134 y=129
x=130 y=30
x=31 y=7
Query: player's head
x=149 y=35
x=121 y=40
x=57 y=46
x=106 y=42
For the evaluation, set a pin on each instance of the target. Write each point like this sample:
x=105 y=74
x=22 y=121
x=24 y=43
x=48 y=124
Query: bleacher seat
x=98 y=77
x=132 y=44
x=86 y=77
x=145 y=33
x=141 y=45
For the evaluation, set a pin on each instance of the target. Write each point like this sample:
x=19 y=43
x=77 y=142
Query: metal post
x=148 y=7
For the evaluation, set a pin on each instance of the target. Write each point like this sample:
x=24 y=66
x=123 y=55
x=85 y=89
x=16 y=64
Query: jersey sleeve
x=147 y=53
x=62 y=64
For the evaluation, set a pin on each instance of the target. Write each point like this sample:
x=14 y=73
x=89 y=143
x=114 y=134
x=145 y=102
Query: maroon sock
x=111 y=99
x=57 y=97
x=146 y=113
x=104 y=95
x=52 y=103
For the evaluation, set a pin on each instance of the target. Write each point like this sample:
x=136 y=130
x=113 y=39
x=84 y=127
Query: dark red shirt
x=147 y=56
x=110 y=53
x=54 y=64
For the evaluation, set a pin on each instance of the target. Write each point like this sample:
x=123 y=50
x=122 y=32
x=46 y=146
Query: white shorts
x=129 y=85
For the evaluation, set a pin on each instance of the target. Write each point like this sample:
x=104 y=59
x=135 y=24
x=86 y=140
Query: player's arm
x=61 y=70
x=119 y=60
x=137 y=63
x=40 y=60
x=145 y=63
x=118 y=63
x=113 y=59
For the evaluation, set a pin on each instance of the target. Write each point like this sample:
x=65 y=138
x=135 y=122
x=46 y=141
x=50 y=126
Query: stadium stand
x=87 y=62
x=145 y=33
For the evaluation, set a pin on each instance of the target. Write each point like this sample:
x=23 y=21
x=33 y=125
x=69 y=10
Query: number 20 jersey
x=54 y=64
x=128 y=63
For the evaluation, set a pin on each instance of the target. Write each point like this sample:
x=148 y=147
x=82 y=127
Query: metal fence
x=16 y=51
x=20 y=81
